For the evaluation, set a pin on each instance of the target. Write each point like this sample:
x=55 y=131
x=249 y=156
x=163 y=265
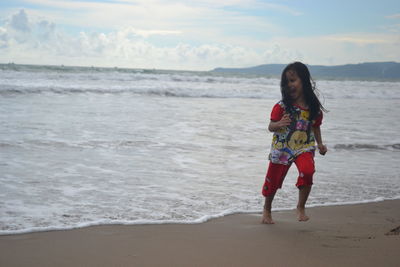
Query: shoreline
x=344 y=235
x=204 y=219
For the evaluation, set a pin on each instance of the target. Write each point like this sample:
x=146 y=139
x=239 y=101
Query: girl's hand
x=322 y=149
x=277 y=125
x=285 y=121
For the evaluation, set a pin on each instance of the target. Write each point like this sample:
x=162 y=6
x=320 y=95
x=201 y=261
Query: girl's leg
x=305 y=165
x=304 y=192
x=267 y=217
x=273 y=180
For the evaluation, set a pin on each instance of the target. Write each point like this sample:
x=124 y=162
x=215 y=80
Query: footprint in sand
x=394 y=231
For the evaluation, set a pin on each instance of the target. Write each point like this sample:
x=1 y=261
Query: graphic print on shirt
x=293 y=140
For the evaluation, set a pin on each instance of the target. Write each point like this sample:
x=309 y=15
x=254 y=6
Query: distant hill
x=362 y=71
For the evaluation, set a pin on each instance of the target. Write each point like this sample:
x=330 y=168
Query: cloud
x=166 y=4
x=19 y=22
x=148 y=33
x=358 y=40
x=344 y=48
x=394 y=16
x=3 y=38
x=32 y=39
x=29 y=38
x=393 y=28
x=278 y=54
x=243 y=4
x=202 y=17
x=35 y=40
x=19 y=29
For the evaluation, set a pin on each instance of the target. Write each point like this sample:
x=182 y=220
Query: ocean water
x=90 y=146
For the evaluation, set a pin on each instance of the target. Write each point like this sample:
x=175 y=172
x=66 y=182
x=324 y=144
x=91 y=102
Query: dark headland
x=362 y=71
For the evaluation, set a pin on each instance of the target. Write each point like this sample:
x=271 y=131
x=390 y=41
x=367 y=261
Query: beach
x=112 y=167
x=83 y=147
x=348 y=235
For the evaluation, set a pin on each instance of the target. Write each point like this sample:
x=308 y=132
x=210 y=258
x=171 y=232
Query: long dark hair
x=310 y=96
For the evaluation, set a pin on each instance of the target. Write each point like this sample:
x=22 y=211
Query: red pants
x=276 y=173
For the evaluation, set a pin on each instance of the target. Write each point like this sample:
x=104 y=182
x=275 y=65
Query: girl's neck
x=301 y=102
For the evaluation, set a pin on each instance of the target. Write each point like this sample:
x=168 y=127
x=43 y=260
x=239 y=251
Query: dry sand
x=352 y=235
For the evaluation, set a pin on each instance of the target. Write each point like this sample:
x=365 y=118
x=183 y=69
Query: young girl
x=295 y=122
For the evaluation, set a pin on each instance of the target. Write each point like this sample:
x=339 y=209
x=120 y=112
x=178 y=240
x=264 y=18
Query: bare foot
x=267 y=217
x=301 y=214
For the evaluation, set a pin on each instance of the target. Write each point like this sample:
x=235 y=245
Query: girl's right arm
x=276 y=125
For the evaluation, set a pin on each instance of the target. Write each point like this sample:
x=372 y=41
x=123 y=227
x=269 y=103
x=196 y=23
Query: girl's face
x=294 y=85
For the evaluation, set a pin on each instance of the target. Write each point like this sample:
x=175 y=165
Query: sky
x=198 y=35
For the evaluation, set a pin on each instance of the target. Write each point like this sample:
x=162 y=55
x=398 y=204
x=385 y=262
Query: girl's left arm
x=321 y=147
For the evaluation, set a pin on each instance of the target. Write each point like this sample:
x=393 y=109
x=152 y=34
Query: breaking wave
x=391 y=147
x=25 y=79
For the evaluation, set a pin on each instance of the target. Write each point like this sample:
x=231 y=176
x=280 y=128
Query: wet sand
x=351 y=235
